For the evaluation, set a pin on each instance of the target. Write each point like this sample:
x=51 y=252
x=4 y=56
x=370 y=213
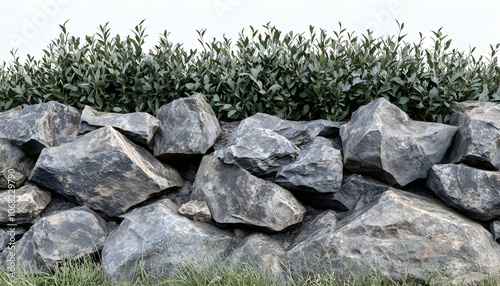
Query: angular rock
x=318 y=169
x=323 y=128
x=69 y=234
x=138 y=126
x=105 y=171
x=39 y=126
x=495 y=230
x=472 y=191
x=401 y=233
x=296 y=132
x=382 y=141
x=466 y=106
x=324 y=223
x=15 y=166
x=477 y=142
x=259 y=151
x=28 y=201
x=188 y=126
x=196 y=210
x=358 y=188
x=161 y=241
x=235 y=196
x=4 y=239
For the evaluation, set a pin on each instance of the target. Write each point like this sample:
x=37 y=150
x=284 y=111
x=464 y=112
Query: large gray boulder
x=41 y=125
x=260 y=151
x=15 y=166
x=105 y=171
x=65 y=235
x=478 y=138
x=402 y=235
x=318 y=169
x=235 y=196
x=472 y=191
x=382 y=141
x=28 y=201
x=138 y=126
x=323 y=128
x=160 y=241
x=188 y=126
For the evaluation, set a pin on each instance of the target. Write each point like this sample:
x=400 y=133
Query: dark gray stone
x=161 y=241
x=472 y=191
x=382 y=141
x=39 y=126
x=477 y=142
x=260 y=151
x=402 y=235
x=105 y=171
x=323 y=128
x=138 y=126
x=324 y=223
x=4 y=239
x=235 y=196
x=28 y=201
x=495 y=230
x=15 y=166
x=188 y=126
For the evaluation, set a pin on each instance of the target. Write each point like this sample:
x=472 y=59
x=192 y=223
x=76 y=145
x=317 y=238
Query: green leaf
x=403 y=100
x=117 y=109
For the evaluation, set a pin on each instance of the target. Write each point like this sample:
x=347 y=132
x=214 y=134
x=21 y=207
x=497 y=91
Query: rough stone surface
x=69 y=234
x=382 y=141
x=477 y=142
x=324 y=223
x=260 y=151
x=39 y=126
x=318 y=169
x=495 y=230
x=162 y=241
x=105 y=171
x=138 y=126
x=29 y=202
x=472 y=191
x=188 y=126
x=4 y=239
x=196 y=210
x=235 y=196
x=323 y=128
x=401 y=232
x=14 y=165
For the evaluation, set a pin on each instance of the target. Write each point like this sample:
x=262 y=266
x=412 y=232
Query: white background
x=30 y=25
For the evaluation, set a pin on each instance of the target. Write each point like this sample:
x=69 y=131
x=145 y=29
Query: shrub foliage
x=296 y=76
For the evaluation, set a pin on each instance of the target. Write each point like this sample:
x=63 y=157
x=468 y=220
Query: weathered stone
x=357 y=189
x=105 y=171
x=138 y=126
x=14 y=165
x=41 y=125
x=477 y=142
x=495 y=230
x=188 y=126
x=296 y=132
x=466 y=106
x=235 y=196
x=318 y=169
x=259 y=151
x=472 y=191
x=69 y=234
x=4 y=239
x=323 y=128
x=402 y=235
x=28 y=201
x=324 y=223
x=196 y=210
x=382 y=141
x=161 y=241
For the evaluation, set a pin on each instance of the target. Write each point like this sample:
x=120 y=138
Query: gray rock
x=105 y=171
x=296 y=132
x=477 y=142
x=28 y=201
x=15 y=166
x=41 y=125
x=138 y=126
x=235 y=196
x=4 y=239
x=259 y=151
x=495 y=230
x=188 y=126
x=358 y=188
x=161 y=241
x=324 y=223
x=466 y=106
x=382 y=141
x=472 y=191
x=196 y=210
x=401 y=234
x=69 y=234
x=323 y=128
x=318 y=169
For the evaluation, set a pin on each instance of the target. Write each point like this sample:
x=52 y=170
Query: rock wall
x=380 y=192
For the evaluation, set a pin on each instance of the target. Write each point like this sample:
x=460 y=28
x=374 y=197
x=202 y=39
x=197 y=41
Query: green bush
x=294 y=76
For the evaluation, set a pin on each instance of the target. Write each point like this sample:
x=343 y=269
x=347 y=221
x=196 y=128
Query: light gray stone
x=196 y=210
x=15 y=166
x=28 y=202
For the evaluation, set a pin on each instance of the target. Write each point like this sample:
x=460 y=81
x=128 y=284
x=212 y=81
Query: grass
x=88 y=272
